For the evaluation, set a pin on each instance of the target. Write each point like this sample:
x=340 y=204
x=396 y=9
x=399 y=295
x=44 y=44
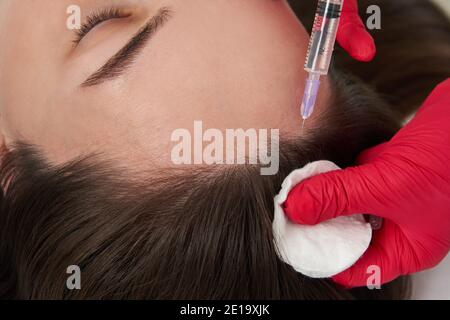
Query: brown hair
x=202 y=234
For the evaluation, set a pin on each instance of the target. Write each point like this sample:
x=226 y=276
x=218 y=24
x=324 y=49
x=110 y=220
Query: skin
x=231 y=64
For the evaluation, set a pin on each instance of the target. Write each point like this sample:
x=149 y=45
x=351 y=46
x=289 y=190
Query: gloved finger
x=381 y=262
x=336 y=193
x=352 y=34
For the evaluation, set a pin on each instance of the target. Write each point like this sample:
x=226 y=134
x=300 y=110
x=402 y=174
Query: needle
x=310 y=96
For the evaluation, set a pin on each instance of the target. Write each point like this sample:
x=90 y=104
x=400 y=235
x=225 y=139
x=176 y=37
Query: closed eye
x=98 y=17
x=117 y=64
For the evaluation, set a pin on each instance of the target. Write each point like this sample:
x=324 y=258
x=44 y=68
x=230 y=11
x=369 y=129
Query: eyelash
x=96 y=18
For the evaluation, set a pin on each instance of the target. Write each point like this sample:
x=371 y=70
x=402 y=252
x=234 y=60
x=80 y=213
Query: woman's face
x=228 y=63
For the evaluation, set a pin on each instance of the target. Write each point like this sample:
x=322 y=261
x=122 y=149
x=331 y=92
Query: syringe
x=320 y=50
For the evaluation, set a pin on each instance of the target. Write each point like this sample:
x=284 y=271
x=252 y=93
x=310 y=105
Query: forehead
x=46 y=108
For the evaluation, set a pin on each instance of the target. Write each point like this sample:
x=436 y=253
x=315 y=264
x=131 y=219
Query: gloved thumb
x=333 y=194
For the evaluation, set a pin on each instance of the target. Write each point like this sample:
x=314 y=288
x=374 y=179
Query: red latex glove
x=406 y=181
x=352 y=34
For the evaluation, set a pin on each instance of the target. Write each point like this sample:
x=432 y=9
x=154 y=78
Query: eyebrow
x=123 y=59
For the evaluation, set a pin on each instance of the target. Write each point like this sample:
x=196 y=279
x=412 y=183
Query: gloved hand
x=352 y=34
x=406 y=181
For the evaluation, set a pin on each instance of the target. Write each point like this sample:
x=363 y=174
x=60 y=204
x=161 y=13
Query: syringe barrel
x=323 y=36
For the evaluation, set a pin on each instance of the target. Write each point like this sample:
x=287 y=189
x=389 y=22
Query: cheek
x=26 y=59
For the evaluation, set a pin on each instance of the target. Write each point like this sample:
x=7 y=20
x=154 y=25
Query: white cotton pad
x=323 y=250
